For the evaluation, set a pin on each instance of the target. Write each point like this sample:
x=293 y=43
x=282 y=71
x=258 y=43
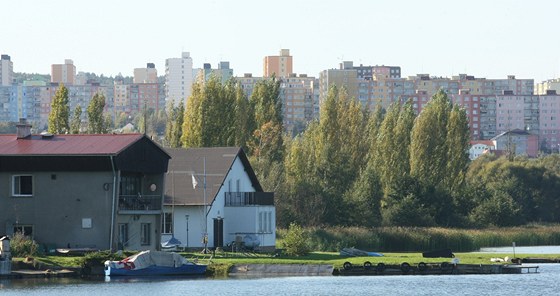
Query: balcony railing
x=241 y=199
x=140 y=202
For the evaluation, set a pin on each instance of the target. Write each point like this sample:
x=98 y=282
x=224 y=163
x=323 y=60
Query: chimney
x=23 y=129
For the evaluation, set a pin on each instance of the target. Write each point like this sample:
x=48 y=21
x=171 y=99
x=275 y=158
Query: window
x=145 y=233
x=22 y=185
x=123 y=235
x=26 y=230
x=167 y=223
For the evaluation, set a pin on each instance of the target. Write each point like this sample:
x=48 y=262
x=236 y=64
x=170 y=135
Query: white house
x=221 y=183
x=480 y=147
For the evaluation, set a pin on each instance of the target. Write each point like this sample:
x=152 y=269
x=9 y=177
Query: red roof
x=106 y=144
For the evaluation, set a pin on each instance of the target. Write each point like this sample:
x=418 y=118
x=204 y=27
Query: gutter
x=113 y=203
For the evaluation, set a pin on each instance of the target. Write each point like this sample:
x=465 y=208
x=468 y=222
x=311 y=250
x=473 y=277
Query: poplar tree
x=429 y=151
x=458 y=143
x=60 y=112
x=96 y=120
x=76 y=121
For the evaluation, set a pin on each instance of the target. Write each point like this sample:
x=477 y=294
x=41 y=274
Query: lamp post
x=187 y=218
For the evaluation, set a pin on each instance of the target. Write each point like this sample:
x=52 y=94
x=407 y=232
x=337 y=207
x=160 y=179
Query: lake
x=546 y=282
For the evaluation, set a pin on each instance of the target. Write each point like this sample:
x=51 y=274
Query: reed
x=418 y=239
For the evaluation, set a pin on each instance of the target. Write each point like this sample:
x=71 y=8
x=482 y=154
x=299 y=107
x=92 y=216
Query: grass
x=220 y=264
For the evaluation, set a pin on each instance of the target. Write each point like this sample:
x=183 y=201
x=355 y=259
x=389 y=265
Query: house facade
x=82 y=191
x=215 y=191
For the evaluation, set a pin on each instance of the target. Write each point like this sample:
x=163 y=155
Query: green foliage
x=23 y=246
x=60 y=112
x=421 y=239
x=76 y=120
x=174 y=124
x=98 y=258
x=295 y=242
x=96 y=121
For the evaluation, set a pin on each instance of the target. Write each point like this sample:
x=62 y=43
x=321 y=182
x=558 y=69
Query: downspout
x=113 y=204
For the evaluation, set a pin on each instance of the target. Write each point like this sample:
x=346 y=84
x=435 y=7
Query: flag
x=194 y=182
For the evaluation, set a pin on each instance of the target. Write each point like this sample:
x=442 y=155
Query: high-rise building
x=6 y=70
x=223 y=73
x=63 y=73
x=178 y=78
x=281 y=65
x=146 y=75
x=544 y=87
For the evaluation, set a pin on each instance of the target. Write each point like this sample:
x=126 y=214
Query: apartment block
x=280 y=65
x=546 y=86
x=145 y=75
x=549 y=121
x=63 y=73
x=6 y=70
x=300 y=101
x=178 y=78
x=223 y=72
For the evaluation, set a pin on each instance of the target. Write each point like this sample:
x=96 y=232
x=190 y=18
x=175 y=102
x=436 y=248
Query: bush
x=98 y=258
x=295 y=243
x=23 y=246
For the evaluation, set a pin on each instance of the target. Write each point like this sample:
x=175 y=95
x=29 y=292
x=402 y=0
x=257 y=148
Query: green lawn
x=228 y=259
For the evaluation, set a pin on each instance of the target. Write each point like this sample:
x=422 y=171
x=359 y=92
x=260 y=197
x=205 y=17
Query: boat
x=353 y=252
x=153 y=263
x=443 y=253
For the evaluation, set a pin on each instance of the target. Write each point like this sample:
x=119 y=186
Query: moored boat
x=153 y=263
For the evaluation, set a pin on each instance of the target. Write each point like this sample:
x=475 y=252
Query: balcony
x=140 y=204
x=243 y=199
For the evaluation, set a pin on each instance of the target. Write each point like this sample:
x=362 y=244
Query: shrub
x=23 y=246
x=98 y=258
x=295 y=242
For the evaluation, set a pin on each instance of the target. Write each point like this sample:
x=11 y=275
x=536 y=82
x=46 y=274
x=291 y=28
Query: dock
x=381 y=269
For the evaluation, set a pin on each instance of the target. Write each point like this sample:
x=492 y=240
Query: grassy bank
x=415 y=239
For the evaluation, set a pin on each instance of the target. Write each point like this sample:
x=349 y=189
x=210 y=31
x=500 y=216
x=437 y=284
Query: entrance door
x=218 y=233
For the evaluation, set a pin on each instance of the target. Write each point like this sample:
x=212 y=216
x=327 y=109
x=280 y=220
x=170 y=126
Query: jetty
x=421 y=268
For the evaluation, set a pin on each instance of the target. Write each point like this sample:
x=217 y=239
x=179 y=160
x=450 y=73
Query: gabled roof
x=482 y=142
x=518 y=132
x=187 y=162
x=59 y=145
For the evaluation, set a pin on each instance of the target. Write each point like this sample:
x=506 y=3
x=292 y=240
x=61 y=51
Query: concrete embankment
x=281 y=270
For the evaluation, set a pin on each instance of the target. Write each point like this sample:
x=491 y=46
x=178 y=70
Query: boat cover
x=146 y=259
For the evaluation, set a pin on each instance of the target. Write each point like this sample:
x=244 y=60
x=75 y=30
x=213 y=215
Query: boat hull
x=189 y=269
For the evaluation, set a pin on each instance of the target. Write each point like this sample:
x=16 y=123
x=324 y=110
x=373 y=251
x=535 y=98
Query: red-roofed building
x=82 y=191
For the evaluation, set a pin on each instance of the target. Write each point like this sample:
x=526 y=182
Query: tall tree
x=458 y=143
x=428 y=154
x=60 y=112
x=96 y=120
x=76 y=121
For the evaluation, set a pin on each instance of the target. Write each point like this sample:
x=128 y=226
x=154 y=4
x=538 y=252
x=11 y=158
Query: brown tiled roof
x=87 y=144
x=186 y=162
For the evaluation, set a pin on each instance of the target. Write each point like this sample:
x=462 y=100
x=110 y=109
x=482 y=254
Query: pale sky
x=485 y=38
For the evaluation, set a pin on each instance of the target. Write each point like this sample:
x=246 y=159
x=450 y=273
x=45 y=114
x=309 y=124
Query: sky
x=484 y=38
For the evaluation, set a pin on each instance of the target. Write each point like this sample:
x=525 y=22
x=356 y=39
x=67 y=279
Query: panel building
x=178 y=78
x=63 y=73
x=280 y=65
x=6 y=70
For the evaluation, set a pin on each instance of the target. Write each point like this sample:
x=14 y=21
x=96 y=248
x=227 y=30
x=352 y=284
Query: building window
x=123 y=235
x=22 y=185
x=26 y=230
x=145 y=233
x=260 y=222
x=167 y=223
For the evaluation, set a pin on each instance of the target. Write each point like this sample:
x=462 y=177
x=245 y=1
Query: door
x=218 y=233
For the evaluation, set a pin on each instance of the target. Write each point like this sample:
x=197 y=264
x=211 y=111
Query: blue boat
x=154 y=263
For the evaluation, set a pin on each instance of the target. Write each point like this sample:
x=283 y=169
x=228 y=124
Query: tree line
x=355 y=167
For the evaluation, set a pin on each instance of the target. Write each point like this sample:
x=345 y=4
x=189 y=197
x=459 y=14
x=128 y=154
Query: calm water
x=544 y=283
